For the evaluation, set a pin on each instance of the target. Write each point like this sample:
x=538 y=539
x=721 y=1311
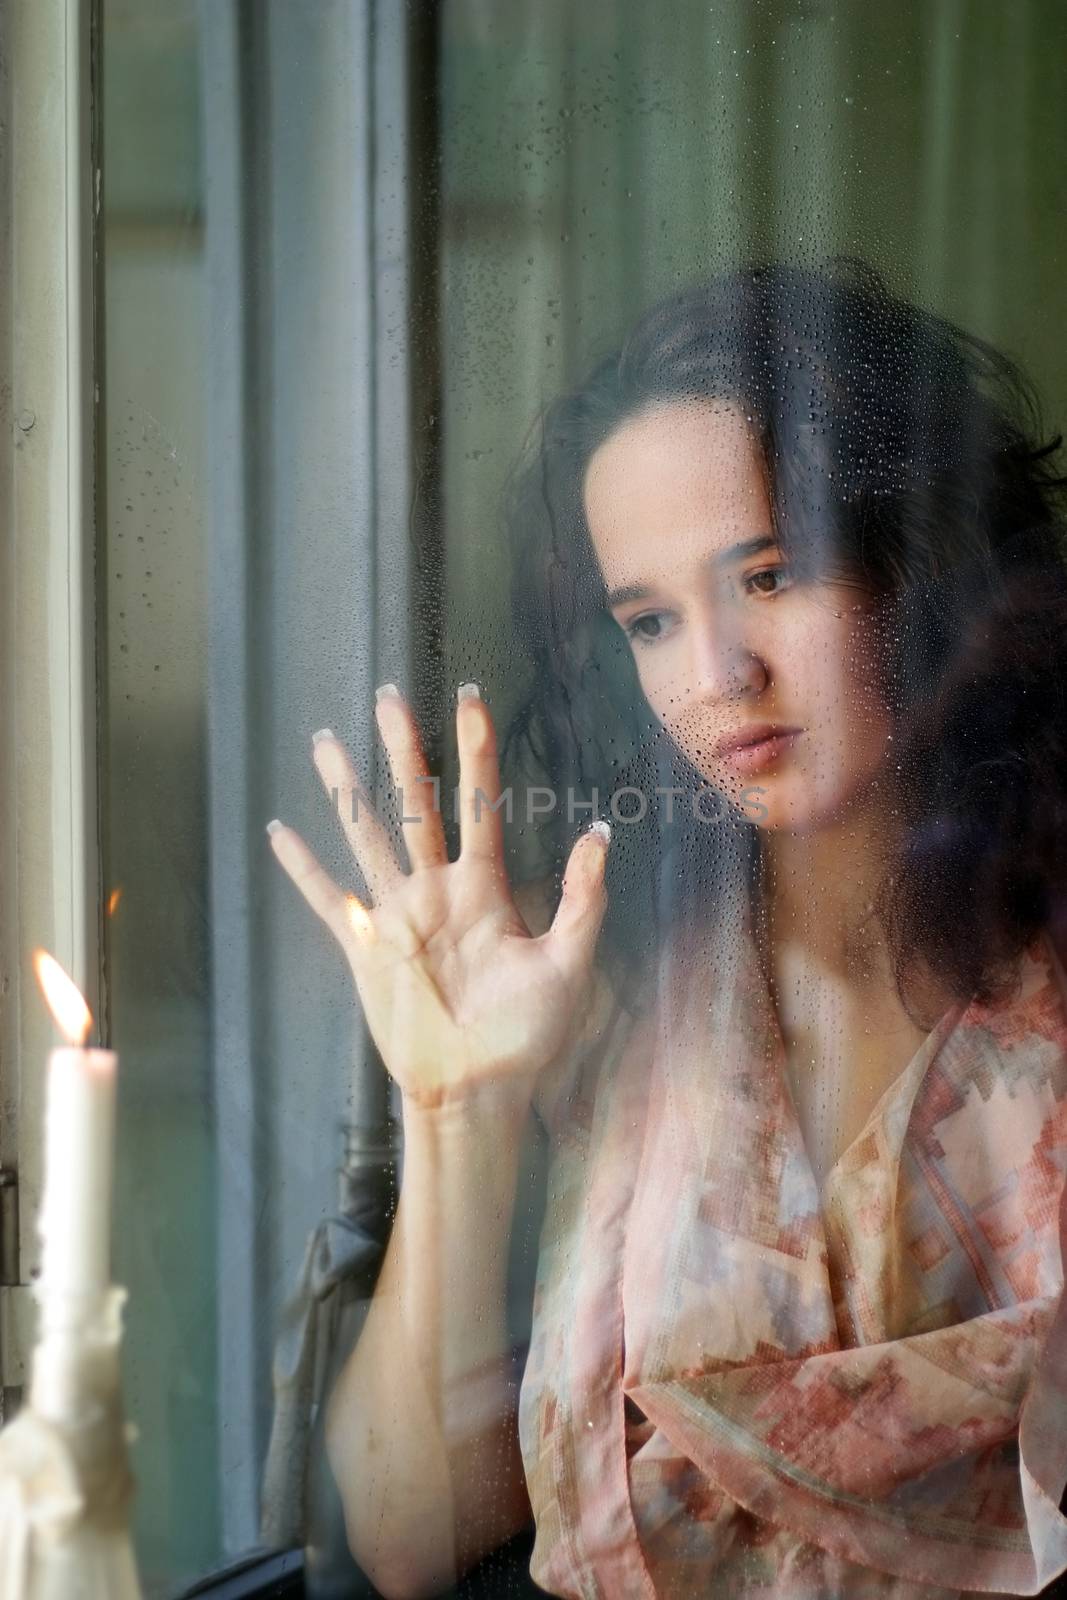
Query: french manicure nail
x=468 y=691
x=323 y=733
x=384 y=689
x=601 y=827
x=274 y=826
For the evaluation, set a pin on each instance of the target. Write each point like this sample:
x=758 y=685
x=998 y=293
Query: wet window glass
x=583 y=599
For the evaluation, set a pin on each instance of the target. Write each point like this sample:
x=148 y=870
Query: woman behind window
x=790 y=570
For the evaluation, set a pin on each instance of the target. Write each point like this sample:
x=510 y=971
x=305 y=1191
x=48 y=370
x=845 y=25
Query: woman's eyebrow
x=725 y=558
x=747 y=547
x=627 y=591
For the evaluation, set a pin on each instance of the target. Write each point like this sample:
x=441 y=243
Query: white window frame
x=50 y=890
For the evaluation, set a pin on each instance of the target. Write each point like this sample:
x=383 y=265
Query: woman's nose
x=724 y=663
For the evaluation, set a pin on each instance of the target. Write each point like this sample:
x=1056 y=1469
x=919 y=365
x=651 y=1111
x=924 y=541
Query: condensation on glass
x=677 y=381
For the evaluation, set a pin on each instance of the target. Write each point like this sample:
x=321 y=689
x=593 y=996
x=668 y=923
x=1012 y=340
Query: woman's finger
x=345 y=915
x=581 y=910
x=417 y=791
x=367 y=836
x=480 y=827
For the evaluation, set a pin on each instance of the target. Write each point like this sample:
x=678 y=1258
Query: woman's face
x=725 y=640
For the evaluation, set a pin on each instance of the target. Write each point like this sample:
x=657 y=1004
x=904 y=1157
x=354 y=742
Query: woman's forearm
x=421 y=1429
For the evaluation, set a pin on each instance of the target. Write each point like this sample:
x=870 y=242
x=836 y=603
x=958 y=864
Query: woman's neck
x=820 y=889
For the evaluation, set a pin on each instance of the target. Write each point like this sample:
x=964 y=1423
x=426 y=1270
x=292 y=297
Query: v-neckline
x=926 y=1051
x=909 y=1076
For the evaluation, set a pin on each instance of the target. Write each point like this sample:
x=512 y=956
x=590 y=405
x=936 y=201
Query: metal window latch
x=16 y=1302
x=9 y=1227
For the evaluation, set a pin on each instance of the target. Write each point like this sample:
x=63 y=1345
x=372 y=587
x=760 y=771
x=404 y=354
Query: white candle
x=75 y=1220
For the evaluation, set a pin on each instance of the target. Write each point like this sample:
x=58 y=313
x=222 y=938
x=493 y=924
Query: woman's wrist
x=499 y=1104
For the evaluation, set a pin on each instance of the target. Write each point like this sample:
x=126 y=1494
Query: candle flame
x=113 y=901
x=359 y=917
x=63 y=997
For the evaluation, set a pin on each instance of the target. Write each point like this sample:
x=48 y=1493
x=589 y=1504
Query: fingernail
x=602 y=828
x=468 y=691
x=384 y=689
x=274 y=826
x=323 y=733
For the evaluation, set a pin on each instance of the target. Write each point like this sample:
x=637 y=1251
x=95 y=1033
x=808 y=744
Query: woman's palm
x=456 y=989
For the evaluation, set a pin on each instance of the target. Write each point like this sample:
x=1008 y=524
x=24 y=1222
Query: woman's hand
x=457 y=992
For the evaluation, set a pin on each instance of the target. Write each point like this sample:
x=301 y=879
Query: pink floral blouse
x=738 y=1386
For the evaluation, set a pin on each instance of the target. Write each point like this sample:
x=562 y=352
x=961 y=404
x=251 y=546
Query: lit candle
x=75 y=1220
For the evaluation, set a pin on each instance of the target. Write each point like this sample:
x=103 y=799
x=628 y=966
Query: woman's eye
x=780 y=573
x=646 y=629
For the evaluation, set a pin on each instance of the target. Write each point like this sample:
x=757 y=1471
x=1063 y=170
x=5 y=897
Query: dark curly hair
x=903 y=455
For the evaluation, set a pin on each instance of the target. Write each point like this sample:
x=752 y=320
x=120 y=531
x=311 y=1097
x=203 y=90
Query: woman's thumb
x=581 y=910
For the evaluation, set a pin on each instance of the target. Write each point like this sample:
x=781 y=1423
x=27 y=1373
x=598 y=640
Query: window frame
x=50 y=880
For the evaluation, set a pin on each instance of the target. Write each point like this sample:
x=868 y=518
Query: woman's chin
x=793 y=807
x=806 y=808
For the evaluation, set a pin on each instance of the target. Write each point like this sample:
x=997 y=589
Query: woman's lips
x=754 y=757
